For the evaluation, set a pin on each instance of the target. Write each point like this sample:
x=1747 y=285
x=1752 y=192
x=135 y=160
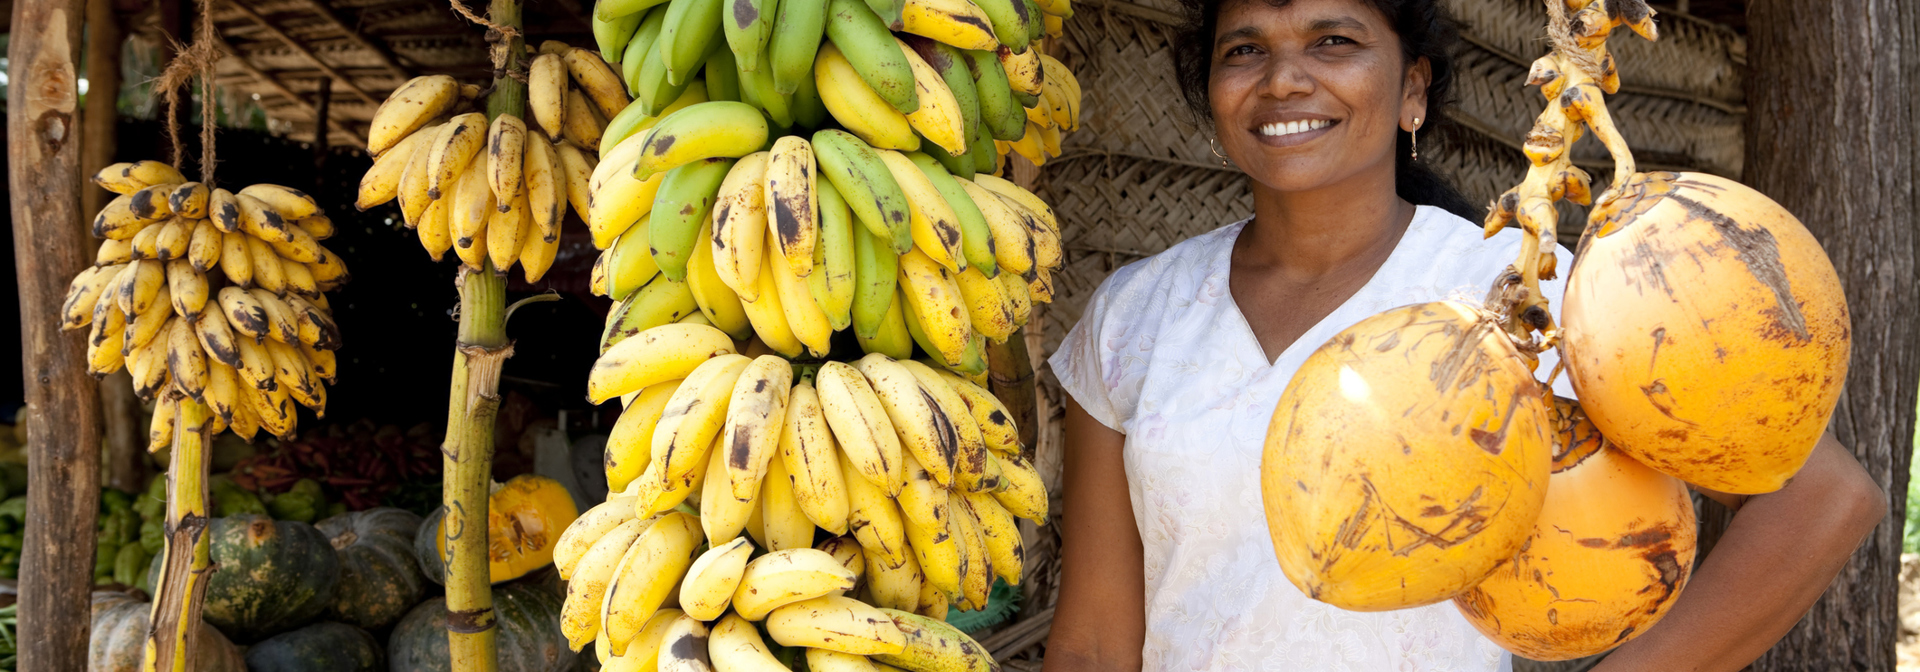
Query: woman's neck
x=1310 y=234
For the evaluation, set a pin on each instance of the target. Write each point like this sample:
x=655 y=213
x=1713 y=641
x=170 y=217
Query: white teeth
x=1292 y=127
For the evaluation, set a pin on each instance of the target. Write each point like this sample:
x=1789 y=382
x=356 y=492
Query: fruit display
x=212 y=295
x=789 y=173
x=525 y=517
x=494 y=192
x=1415 y=457
x=840 y=506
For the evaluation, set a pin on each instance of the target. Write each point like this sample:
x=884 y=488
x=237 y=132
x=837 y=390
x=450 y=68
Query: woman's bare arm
x=1778 y=556
x=1101 y=620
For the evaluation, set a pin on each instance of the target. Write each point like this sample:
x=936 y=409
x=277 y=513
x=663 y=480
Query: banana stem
x=473 y=402
x=183 y=579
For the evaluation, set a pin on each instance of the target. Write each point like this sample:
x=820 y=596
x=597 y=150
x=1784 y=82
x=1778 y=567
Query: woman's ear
x=1414 y=101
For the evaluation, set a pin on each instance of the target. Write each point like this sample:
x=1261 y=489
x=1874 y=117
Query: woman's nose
x=1287 y=77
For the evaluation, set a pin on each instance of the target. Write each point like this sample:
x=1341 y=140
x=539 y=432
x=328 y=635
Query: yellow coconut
x=1406 y=459
x=1705 y=331
x=1612 y=549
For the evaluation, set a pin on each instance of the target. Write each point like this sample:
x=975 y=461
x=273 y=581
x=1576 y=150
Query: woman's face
x=1311 y=94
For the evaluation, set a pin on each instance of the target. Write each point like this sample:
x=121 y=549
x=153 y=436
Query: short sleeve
x=1081 y=364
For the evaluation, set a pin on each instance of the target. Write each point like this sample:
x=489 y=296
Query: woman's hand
x=1100 y=622
x=1781 y=552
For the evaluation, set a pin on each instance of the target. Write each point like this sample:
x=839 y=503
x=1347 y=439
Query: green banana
x=976 y=240
x=867 y=186
x=612 y=9
x=683 y=203
x=747 y=25
x=700 y=131
x=650 y=83
x=876 y=273
x=832 y=280
x=622 y=126
x=758 y=88
x=686 y=35
x=797 y=29
x=660 y=301
x=629 y=263
x=985 y=159
x=1036 y=29
x=612 y=35
x=958 y=75
x=961 y=165
x=722 y=76
x=1012 y=21
x=874 y=53
x=640 y=48
x=890 y=336
x=1003 y=117
x=809 y=111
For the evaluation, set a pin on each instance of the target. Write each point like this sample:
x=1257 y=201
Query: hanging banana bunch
x=215 y=295
x=494 y=191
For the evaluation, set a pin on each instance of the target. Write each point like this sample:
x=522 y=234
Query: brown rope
x=189 y=62
x=498 y=52
x=1560 y=34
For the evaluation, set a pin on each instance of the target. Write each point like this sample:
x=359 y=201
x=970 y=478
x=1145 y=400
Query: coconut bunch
x=1703 y=329
x=493 y=191
x=841 y=506
x=212 y=295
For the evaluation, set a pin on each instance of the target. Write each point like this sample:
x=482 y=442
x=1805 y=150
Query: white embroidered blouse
x=1163 y=355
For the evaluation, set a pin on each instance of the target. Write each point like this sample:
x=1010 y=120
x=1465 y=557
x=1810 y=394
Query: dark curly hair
x=1425 y=29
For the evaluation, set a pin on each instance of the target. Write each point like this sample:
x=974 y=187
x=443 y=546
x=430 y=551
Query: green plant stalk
x=473 y=403
x=183 y=587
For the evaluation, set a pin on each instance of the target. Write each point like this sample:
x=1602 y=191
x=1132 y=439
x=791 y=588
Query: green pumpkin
x=321 y=647
x=426 y=549
x=270 y=577
x=119 y=633
x=527 y=619
x=379 y=579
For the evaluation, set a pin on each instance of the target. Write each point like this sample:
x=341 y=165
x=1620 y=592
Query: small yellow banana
x=588 y=528
x=860 y=426
x=712 y=579
x=756 y=412
x=811 y=456
x=787 y=576
x=837 y=624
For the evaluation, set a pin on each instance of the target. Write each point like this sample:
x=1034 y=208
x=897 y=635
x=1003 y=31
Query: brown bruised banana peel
x=1574 y=79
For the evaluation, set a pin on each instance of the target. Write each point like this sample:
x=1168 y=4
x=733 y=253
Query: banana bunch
x=788 y=240
x=842 y=506
x=494 y=191
x=210 y=294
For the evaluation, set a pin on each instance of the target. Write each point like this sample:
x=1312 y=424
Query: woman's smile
x=1292 y=131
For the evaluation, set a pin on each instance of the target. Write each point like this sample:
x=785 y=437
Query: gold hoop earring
x=1416 y=138
x=1214 y=146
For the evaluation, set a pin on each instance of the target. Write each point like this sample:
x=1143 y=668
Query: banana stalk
x=473 y=401
x=182 y=588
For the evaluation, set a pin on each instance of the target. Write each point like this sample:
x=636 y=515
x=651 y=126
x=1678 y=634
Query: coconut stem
x=183 y=578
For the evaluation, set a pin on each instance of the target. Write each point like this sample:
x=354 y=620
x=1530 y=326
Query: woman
x=1176 y=365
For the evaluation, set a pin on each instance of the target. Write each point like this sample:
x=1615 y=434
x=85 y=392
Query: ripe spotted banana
x=782 y=524
x=861 y=426
x=587 y=586
x=630 y=442
x=756 y=414
x=837 y=624
x=811 y=456
x=735 y=646
x=650 y=571
x=784 y=577
x=932 y=644
x=713 y=578
x=654 y=356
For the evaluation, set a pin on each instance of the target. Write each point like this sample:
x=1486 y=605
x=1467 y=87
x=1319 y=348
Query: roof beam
x=272 y=83
x=380 y=51
x=302 y=49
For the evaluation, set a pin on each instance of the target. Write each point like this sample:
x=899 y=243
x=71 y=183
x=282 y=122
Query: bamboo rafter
x=380 y=51
x=279 y=88
x=301 y=49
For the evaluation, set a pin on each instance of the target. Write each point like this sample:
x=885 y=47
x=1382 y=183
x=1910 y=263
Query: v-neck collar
x=1312 y=336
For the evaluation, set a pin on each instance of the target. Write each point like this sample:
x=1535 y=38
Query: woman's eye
x=1242 y=50
x=1332 y=40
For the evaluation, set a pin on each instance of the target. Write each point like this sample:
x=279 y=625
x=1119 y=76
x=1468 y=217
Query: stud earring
x=1215 y=147
x=1416 y=138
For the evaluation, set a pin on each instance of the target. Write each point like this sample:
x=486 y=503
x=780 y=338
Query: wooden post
x=473 y=402
x=126 y=455
x=63 y=404
x=1831 y=134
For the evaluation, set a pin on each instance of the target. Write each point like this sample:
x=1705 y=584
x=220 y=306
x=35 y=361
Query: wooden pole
x=473 y=403
x=1831 y=134
x=62 y=414
x=126 y=458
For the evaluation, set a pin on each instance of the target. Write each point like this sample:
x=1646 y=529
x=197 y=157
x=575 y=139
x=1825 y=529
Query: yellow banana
x=382 y=181
x=822 y=660
x=837 y=624
x=811 y=456
x=857 y=106
x=291 y=370
x=599 y=82
x=325 y=365
x=976 y=572
x=694 y=415
x=189 y=200
x=86 y=290
x=1025 y=495
x=782 y=522
x=721 y=515
x=619 y=204
x=408 y=108
x=587 y=529
x=436 y=235
x=186 y=362
x=630 y=442
x=768 y=313
x=895 y=586
x=713 y=578
x=468 y=214
x=186 y=288
x=1001 y=535
x=547 y=92
x=223 y=390
x=739 y=226
x=875 y=519
x=147 y=327
x=961 y=24
x=938 y=551
x=684 y=647
x=756 y=413
x=989 y=413
x=939 y=118
x=718 y=302
x=793 y=209
x=582 y=124
x=256 y=366
x=580 y=613
x=546 y=195
x=735 y=646
x=809 y=323
x=989 y=310
x=1012 y=248
x=1024 y=72
x=203 y=247
x=120 y=251
x=282 y=326
x=576 y=169
x=970 y=458
x=932 y=644
x=106 y=341
x=643 y=653
x=160 y=428
x=937 y=303
x=654 y=356
x=506 y=231
x=788 y=576
x=648 y=574
x=861 y=426
x=119 y=178
x=506 y=163
x=934 y=225
x=846 y=550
